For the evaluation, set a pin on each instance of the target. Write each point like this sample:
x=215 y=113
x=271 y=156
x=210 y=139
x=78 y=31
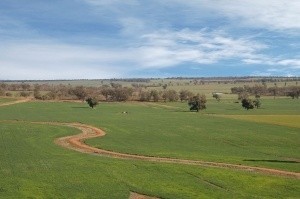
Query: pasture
x=33 y=166
x=5 y=100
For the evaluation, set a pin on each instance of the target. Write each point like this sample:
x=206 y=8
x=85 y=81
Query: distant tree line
x=112 y=92
x=263 y=90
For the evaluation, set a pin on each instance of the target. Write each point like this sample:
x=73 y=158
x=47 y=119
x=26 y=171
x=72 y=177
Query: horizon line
x=151 y=78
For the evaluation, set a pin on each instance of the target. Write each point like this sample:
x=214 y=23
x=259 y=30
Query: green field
x=32 y=166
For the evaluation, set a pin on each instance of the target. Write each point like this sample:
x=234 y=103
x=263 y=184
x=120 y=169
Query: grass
x=281 y=120
x=5 y=100
x=32 y=166
x=279 y=106
x=169 y=130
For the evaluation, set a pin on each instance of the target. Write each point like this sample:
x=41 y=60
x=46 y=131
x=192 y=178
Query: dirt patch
x=15 y=102
x=134 y=195
x=76 y=142
x=152 y=104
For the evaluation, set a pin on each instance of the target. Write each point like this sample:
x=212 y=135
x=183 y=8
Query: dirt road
x=15 y=102
x=76 y=142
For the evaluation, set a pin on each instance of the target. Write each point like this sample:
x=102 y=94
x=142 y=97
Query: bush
x=2 y=92
x=247 y=103
x=92 y=102
x=197 y=103
x=25 y=94
x=8 y=94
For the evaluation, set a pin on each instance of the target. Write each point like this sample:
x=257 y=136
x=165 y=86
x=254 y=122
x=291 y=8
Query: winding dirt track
x=15 y=102
x=76 y=142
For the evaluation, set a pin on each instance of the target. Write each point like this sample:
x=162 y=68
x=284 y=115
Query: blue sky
x=90 y=39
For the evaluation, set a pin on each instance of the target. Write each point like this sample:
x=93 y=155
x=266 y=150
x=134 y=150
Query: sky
x=100 y=39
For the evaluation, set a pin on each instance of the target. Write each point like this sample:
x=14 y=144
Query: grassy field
x=281 y=120
x=32 y=166
x=5 y=100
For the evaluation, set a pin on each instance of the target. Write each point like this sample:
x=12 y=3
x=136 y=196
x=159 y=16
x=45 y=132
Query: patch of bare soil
x=162 y=105
x=134 y=195
x=15 y=102
x=76 y=142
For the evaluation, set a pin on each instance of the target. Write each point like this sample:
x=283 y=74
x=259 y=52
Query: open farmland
x=6 y=100
x=32 y=165
x=155 y=99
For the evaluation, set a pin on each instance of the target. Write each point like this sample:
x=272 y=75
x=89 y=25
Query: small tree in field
x=197 y=103
x=92 y=102
x=247 y=103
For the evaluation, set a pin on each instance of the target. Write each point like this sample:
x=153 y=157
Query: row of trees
x=263 y=90
x=112 y=92
x=116 y=92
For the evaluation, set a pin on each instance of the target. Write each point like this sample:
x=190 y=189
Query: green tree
x=247 y=103
x=92 y=102
x=197 y=103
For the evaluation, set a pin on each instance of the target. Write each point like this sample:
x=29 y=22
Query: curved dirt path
x=15 y=102
x=76 y=142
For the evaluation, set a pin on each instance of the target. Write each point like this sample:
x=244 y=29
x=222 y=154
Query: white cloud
x=156 y=50
x=293 y=63
x=167 y=48
x=45 y=60
x=144 y=46
x=270 y=14
x=281 y=64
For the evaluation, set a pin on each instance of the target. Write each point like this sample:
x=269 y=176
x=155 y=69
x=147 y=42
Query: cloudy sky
x=85 y=39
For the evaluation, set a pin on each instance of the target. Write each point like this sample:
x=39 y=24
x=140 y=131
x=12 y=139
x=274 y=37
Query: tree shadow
x=273 y=161
x=182 y=111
